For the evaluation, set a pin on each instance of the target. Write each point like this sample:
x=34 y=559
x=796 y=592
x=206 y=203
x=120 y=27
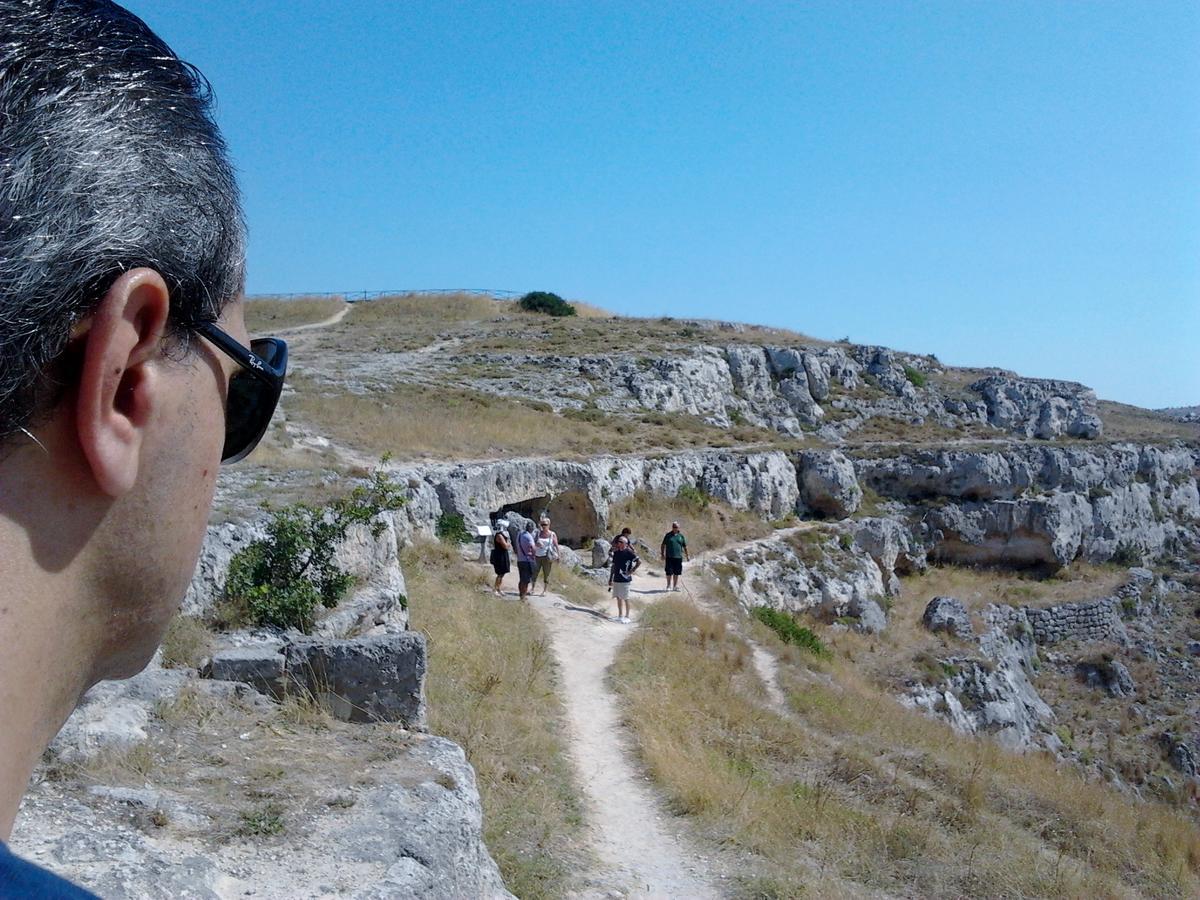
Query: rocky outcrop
x=378 y=598
x=828 y=485
x=1110 y=675
x=577 y=494
x=1040 y=408
x=807 y=571
x=891 y=543
x=828 y=389
x=992 y=693
x=1046 y=506
x=411 y=829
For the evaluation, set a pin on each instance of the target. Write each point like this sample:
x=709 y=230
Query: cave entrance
x=572 y=515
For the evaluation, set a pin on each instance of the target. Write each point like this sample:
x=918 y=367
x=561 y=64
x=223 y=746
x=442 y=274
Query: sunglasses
x=253 y=390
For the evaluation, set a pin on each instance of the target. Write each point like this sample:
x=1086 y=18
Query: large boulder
x=368 y=679
x=1109 y=675
x=828 y=485
x=950 y=615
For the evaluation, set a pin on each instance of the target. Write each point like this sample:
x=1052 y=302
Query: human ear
x=120 y=387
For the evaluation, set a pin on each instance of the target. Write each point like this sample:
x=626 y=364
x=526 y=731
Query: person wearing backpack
x=500 y=555
x=545 y=552
x=624 y=563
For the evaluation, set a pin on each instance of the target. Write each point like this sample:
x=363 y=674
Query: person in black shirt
x=624 y=563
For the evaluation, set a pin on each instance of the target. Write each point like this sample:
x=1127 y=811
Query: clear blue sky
x=1013 y=184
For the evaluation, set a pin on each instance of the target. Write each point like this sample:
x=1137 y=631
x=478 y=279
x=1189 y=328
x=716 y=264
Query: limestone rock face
x=413 y=830
x=993 y=694
x=577 y=495
x=1039 y=505
x=114 y=715
x=948 y=614
x=379 y=598
x=1040 y=408
x=807 y=572
x=828 y=484
x=377 y=678
x=792 y=389
x=221 y=542
x=601 y=550
x=893 y=547
x=429 y=834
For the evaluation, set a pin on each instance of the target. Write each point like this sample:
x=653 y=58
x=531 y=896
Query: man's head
x=121 y=238
x=626 y=532
x=675 y=527
x=621 y=542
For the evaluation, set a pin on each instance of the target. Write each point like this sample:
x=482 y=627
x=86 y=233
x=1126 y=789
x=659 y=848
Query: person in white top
x=545 y=552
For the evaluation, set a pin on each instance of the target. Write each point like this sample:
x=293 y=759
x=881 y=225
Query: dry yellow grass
x=858 y=794
x=491 y=688
x=410 y=310
x=1131 y=423
x=264 y=316
x=414 y=421
x=705 y=524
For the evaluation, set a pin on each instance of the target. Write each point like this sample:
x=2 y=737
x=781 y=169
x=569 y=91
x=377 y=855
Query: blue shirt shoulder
x=21 y=880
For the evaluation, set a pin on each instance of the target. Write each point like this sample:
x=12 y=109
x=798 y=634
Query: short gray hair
x=109 y=161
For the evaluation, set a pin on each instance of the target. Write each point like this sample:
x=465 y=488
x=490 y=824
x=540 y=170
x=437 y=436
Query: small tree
x=546 y=302
x=281 y=579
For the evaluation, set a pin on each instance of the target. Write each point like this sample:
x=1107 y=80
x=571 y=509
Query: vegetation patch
x=915 y=376
x=282 y=579
x=790 y=631
x=546 y=302
x=452 y=528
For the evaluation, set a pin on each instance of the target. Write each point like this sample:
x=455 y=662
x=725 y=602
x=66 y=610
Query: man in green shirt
x=674 y=551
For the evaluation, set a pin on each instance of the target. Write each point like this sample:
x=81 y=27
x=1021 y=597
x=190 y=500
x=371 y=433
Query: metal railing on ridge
x=360 y=296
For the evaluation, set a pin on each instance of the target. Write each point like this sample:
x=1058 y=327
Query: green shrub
x=546 y=302
x=453 y=529
x=915 y=376
x=694 y=497
x=790 y=631
x=281 y=579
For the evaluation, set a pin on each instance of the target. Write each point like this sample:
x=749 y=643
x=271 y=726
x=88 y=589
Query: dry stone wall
x=1094 y=621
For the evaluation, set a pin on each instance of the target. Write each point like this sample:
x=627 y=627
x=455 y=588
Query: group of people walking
x=538 y=549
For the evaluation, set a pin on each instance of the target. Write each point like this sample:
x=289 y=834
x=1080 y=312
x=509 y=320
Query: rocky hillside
x=1008 y=555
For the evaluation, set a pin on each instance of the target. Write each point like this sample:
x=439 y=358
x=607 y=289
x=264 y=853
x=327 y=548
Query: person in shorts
x=526 y=559
x=500 y=557
x=624 y=563
x=674 y=551
x=545 y=553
